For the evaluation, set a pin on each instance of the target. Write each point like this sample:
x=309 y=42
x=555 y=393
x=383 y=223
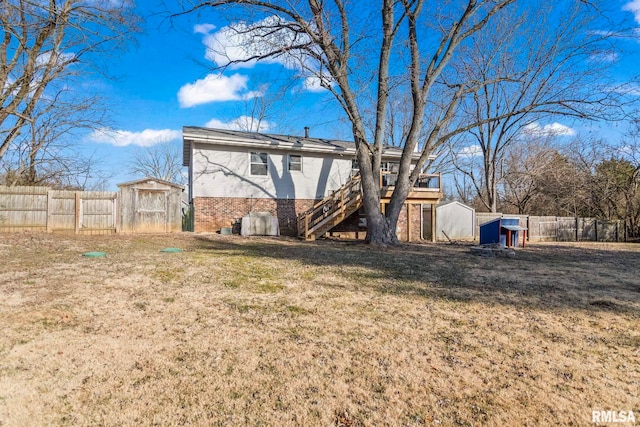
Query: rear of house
x=233 y=173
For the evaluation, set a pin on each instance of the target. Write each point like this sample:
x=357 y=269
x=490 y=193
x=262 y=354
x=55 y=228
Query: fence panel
x=608 y=231
x=98 y=212
x=587 y=229
x=62 y=211
x=42 y=209
x=23 y=208
x=542 y=228
x=566 y=229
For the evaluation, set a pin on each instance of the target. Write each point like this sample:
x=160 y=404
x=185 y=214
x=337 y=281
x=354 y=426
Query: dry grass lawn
x=277 y=332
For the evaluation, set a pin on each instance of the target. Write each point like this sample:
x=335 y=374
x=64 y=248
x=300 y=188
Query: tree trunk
x=380 y=227
x=381 y=230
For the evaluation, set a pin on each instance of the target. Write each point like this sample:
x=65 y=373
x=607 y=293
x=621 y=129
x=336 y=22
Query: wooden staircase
x=331 y=211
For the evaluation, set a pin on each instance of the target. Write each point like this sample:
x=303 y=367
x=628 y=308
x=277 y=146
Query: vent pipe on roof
x=306 y=131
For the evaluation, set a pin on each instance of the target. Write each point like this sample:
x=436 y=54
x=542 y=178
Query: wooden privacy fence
x=572 y=229
x=148 y=205
x=562 y=229
x=44 y=209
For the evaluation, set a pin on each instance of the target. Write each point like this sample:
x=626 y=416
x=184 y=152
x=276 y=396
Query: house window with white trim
x=390 y=167
x=355 y=167
x=295 y=162
x=258 y=163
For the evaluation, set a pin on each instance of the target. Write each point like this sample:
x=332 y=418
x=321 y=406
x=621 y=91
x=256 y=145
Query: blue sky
x=167 y=81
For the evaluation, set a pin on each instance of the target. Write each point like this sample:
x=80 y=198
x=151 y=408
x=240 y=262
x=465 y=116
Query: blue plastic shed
x=504 y=231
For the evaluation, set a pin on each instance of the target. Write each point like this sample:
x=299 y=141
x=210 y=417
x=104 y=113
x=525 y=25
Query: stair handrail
x=326 y=207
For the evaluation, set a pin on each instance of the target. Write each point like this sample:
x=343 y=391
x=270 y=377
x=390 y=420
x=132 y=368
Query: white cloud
x=470 y=151
x=123 y=138
x=553 y=129
x=605 y=56
x=237 y=46
x=626 y=150
x=61 y=59
x=215 y=88
x=633 y=7
x=313 y=83
x=239 y=42
x=631 y=89
x=8 y=82
x=203 y=28
x=244 y=123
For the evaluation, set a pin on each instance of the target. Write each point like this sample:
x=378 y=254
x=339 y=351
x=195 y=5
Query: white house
x=233 y=173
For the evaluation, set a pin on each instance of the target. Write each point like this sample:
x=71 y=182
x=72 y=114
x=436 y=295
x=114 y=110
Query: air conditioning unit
x=260 y=224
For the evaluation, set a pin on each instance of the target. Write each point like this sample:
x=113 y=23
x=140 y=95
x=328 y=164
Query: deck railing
x=425 y=181
x=332 y=208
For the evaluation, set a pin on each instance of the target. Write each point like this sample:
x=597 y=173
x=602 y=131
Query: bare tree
x=61 y=165
x=162 y=161
x=44 y=47
x=562 y=188
x=413 y=48
x=533 y=67
x=44 y=150
x=522 y=167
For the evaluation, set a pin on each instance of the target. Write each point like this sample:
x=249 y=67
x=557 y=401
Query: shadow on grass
x=541 y=276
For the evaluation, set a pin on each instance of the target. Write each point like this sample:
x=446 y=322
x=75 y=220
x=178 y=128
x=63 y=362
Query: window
x=258 y=163
x=355 y=167
x=295 y=162
x=390 y=167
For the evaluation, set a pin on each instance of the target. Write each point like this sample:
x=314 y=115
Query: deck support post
x=408 y=222
x=433 y=223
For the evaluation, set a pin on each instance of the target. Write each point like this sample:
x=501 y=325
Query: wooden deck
x=333 y=209
x=427 y=189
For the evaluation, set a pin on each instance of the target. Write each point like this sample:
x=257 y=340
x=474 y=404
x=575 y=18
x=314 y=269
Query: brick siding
x=416 y=231
x=213 y=213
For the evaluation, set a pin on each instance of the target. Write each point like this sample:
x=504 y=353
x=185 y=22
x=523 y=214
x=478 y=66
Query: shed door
x=151 y=211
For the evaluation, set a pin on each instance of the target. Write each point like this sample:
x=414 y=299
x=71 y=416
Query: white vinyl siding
x=226 y=172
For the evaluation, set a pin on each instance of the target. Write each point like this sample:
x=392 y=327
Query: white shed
x=455 y=219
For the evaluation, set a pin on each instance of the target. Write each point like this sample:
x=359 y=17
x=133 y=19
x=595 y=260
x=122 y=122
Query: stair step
x=326 y=226
x=340 y=205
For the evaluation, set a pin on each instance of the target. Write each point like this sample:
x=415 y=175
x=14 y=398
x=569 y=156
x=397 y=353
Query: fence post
x=116 y=212
x=626 y=231
x=77 y=227
x=596 y=227
x=577 y=225
x=49 y=207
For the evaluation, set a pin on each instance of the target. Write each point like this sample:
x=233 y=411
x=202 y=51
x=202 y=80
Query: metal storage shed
x=456 y=220
x=150 y=205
